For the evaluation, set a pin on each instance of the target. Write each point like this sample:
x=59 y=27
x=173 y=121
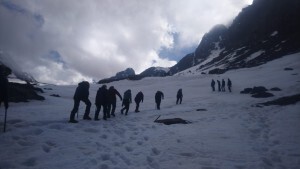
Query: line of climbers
x=107 y=99
x=221 y=87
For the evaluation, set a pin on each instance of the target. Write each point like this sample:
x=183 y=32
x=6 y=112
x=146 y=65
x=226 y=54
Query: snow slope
x=231 y=134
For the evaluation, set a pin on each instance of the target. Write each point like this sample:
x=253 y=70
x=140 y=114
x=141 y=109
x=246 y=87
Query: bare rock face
x=23 y=92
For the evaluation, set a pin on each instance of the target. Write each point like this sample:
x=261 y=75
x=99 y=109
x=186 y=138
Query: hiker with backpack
x=138 y=98
x=126 y=101
x=112 y=100
x=229 y=84
x=179 y=96
x=4 y=72
x=219 y=85
x=223 y=85
x=101 y=100
x=158 y=97
x=212 y=84
x=81 y=94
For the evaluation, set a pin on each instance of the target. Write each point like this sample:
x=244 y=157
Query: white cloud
x=97 y=38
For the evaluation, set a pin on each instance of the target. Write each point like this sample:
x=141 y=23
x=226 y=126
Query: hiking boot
x=113 y=115
x=96 y=119
x=73 y=121
x=87 y=118
x=104 y=118
x=121 y=111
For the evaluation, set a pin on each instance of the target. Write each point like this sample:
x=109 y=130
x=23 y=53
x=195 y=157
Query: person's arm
x=119 y=95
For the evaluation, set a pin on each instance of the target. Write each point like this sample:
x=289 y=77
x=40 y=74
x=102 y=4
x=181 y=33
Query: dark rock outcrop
x=275 y=89
x=23 y=92
x=287 y=100
x=262 y=95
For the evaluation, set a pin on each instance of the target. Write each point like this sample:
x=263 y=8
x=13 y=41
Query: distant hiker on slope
x=138 y=98
x=158 y=96
x=212 y=84
x=219 y=85
x=223 y=85
x=126 y=101
x=179 y=96
x=112 y=100
x=229 y=84
x=81 y=94
x=102 y=100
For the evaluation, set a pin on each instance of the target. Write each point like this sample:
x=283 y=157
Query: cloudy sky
x=66 y=41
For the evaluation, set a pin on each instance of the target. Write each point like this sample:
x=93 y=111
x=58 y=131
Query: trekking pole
x=4 y=129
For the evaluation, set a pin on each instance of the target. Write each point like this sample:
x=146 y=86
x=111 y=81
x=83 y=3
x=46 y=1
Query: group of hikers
x=221 y=86
x=107 y=99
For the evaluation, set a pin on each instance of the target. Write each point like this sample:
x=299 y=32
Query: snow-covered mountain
x=155 y=72
x=263 y=31
x=129 y=74
x=227 y=130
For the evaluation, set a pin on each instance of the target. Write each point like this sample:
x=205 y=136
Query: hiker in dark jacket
x=138 y=98
x=179 y=96
x=229 y=84
x=158 y=96
x=81 y=94
x=126 y=101
x=112 y=100
x=223 y=85
x=4 y=72
x=219 y=85
x=101 y=100
x=213 y=85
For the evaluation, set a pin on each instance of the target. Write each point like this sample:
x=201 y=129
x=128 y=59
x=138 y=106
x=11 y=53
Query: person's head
x=111 y=87
x=104 y=86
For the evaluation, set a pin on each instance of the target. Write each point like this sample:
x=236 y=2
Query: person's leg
x=127 y=108
x=97 y=112
x=113 y=109
x=158 y=105
x=74 y=111
x=87 y=109
x=108 y=109
x=105 y=111
x=137 y=106
x=180 y=100
x=177 y=100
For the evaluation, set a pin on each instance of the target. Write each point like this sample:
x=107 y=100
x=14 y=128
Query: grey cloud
x=97 y=38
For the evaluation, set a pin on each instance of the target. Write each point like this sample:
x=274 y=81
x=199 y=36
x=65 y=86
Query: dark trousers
x=229 y=88
x=213 y=88
x=223 y=88
x=76 y=106
x=105 y=112
x=137 y=106
x=179 y=100
x=126 y=106
x=111 y=108
x=158 y=104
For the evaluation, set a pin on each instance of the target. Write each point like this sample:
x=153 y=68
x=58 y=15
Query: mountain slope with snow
x=262 y=32
x=232 y=133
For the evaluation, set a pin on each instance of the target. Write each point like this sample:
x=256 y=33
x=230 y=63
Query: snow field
x=232 y=133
